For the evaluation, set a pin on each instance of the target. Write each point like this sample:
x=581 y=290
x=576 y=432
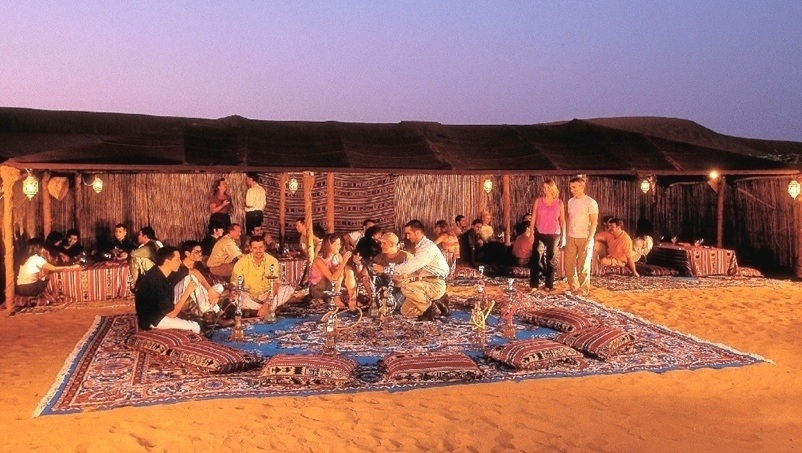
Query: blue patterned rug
x=102 y=373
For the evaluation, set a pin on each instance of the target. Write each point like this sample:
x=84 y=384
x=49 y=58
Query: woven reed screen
x=758 y=212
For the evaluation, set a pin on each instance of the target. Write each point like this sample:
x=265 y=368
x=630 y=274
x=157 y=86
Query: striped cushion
x=602 y=342
x=559 y=319
x=311 y=369
x=653 y=270
x=615 y=270
x=749 y=272
x=213 y=357
x=465 y=272
x=430 y=366
x=534 y=353
x=161 y=341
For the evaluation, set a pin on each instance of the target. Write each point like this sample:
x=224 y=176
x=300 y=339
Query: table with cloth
x=694 y=261
x=93 y=282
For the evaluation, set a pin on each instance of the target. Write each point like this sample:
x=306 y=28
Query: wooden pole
x=481 y=195
x=309 y=181
x=79 y=200
x=282 y=207
x=47 y=214
x=722 y=189
x=10 y=175
x=330 y=202
x=798 y=229
x=507 y=207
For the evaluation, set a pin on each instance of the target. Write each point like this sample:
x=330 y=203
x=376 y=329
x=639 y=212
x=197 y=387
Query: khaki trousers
x=578 y=254
x=420 y=294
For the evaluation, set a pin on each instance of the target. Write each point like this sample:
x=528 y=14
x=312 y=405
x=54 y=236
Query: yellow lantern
x=293 y=186
x=487 y=185
x=30 y=186
x=794 y=188
x=97 y=184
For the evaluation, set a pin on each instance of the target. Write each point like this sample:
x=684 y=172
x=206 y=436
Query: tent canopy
x=86 y=141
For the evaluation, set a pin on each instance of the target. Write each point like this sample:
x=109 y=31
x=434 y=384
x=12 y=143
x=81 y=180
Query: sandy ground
x=753 y=408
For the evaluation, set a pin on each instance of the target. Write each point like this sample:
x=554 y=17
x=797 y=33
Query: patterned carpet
x=630 y=284
x=102 y=373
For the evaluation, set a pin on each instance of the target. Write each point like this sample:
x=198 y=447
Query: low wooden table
x=694 y=261
x=94 y=282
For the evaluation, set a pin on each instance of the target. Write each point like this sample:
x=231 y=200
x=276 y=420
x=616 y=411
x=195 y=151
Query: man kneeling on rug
x=422 y=278
x=260 y=274
x=156 y=306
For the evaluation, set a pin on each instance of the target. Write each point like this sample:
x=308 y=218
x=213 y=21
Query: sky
x=730 y=65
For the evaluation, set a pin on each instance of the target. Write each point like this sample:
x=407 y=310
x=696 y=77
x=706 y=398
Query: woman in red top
x=548 y=222
x=219 y=206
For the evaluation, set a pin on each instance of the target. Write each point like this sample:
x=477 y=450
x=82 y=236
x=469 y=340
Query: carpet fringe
x=690 y=335
x=65 y=369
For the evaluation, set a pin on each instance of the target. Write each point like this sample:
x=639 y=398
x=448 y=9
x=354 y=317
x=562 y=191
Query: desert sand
x=752 y=408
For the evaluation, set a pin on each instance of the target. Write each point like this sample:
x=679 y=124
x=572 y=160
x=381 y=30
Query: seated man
x=351 y=239
x=602 y=238
x=120 y=246
x=390 y=254
x=422 y=278
x=208 y=242
x=143 y=257
x=260 y=277
x=523 y=245
x=619 y=248
x=205 y=296
x=470 y=242
x=226 y=252
x=71 y=248
x=156 y=306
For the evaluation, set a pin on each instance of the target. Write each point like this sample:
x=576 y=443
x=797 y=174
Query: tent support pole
x=722 y=189
x=282 y=208
x=10 y=175
x=330 y=202
x=47 y=215
x=507 y=207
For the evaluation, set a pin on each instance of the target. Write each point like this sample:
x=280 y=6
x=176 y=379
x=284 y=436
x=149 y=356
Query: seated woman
x=368 y=246
x=71 y=248
x=327 y=268
x=31 y=280
x=357 y=281
x=52 y=246
x=447 y=239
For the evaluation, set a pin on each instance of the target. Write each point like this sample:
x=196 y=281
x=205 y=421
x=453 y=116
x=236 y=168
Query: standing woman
x=219 y=205
x=548 y=224
x=31 y=281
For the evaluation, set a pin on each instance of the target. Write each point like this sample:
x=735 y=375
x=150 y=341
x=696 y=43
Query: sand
x=753 y=408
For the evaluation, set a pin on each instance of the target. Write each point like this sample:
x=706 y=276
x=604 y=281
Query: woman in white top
x=31 y=281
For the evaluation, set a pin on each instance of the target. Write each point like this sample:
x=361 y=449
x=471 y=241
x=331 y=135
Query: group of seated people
x=173 y=284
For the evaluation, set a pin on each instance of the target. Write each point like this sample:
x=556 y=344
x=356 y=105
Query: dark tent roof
x=55 y=140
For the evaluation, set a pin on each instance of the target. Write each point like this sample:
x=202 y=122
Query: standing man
x=422 y=278
x=255 y=202
x=156 y=306
x=583 y=215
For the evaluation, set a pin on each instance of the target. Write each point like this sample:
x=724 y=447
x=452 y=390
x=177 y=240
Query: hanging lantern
x=714 y=175
x=487 y=185
x=30 y=186
x=645 y=186
x=794 y=188
x=97 y=184
x=292 y=185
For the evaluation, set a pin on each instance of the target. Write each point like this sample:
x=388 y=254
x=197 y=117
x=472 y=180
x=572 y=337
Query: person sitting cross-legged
x=155 y=302
x=226 y=252
x=619 y=248
x=260 y=278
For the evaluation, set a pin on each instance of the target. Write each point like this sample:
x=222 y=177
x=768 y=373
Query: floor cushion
x=213 y=357
x=652 y=270
x=430 y=366
x=532 y=353
x=602 y=342
x=559 y=319
x=161 y=341
x=309 y=369
x=749 y=272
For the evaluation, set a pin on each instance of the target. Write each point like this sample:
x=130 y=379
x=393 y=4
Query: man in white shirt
x=255 y=202
x=583 y=215
x=422 y=278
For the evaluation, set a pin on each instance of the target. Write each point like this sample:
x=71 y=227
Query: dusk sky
x=732 y=66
